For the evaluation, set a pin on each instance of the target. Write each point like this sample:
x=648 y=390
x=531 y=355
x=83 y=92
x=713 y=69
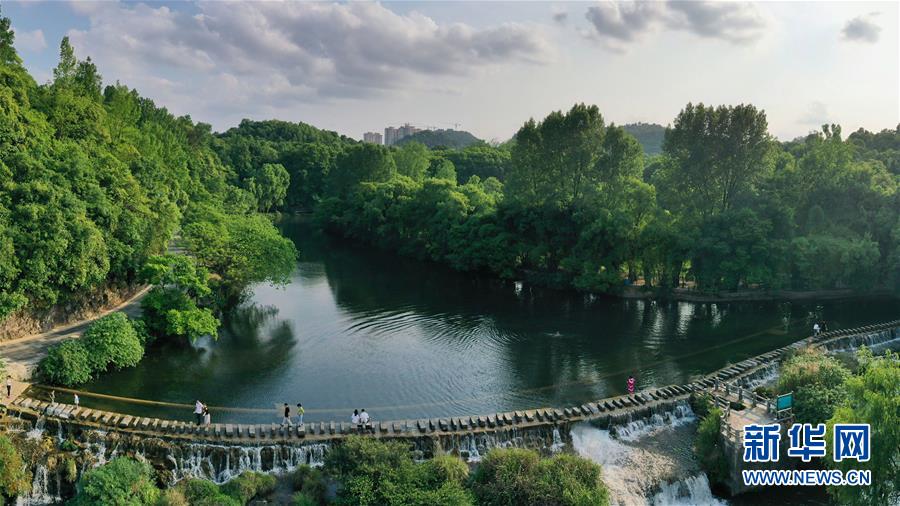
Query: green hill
x=442 y=139
x=650 y=135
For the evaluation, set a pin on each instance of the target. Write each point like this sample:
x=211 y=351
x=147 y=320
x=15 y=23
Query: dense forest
x=96 y=181
x=572 y=201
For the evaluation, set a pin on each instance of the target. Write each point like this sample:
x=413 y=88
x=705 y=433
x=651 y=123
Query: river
x=361 y=328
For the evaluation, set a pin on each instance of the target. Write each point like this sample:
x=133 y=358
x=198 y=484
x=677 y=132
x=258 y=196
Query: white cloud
x=862 y=29
x=285 y=51
x=619 y=23
x=30 y=41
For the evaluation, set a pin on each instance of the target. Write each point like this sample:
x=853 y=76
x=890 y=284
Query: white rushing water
x=648 y=462
x=39 y=493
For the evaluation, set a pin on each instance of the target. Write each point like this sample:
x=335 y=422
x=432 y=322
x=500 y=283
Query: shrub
x=383 y=473
x=14 y=478
x=310 y=482
x=516 y=476
x=443 y=468
x=709 y=449
x=205 y=493
x=111 y=341
x=66 y=364
x=302 y=499
x=817 y=382
x=123 y=482
x=249 y=485
x=172 y=497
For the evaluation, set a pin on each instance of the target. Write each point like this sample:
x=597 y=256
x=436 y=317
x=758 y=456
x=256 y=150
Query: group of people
x=201 y=411
x=360 y=419
x=287 y=415
x=818 y=328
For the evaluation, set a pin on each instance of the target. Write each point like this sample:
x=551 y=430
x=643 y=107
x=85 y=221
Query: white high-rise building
x=373 y=137
x=392 y=134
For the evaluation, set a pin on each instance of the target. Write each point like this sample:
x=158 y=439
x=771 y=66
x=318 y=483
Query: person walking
x=363 y=420
x=287 y=416
x=300 y=414
x=207 y=418
x=8 y=385
x=816 y=329
x=631 y=384
x=198 y=411
x=77 y=401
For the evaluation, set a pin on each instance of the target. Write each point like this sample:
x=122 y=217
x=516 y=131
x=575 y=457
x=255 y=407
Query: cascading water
x=40 y=493
x=633 y=430
x=691 y=491
x=38 y=431
x=220 y=463
x=647 y=461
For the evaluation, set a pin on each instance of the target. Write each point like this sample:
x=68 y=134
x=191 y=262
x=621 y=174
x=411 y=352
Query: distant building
x=392 y=134
x=373 y=137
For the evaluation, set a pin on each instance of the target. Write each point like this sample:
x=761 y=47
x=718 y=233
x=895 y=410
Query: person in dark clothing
x=287 y=416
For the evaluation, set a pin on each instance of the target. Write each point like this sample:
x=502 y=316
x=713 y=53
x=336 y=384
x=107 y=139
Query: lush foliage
x=516 y=476
x=121 y=482
x=172 y=306
x=378 y=473
x=95 y=180
x=309 y=484
x=708 y=446
x=817 y=383
x=873 y=397
x=66 y=364
x=249 y=485
x=199 y=492
x=14 y=478
x=650 y=135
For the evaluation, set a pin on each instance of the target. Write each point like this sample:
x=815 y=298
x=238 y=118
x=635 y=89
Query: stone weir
x=220 y=451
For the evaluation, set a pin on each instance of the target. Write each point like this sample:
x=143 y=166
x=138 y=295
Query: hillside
x=442 y=138
x=650 y=135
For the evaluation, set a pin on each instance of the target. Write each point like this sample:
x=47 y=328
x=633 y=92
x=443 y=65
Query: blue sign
x=852 y=441
x=807 y=441
x=761 y=442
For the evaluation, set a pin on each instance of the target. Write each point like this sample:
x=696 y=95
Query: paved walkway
x=23 y=354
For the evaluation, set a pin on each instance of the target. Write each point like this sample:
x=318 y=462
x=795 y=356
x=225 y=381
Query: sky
x=484 y=66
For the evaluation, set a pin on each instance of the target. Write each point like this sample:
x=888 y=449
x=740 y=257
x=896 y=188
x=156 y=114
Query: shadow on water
x=358 y=327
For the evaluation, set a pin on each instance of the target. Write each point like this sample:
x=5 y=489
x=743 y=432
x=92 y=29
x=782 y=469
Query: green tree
x=111 y=342
x=709 y=447
x=873 y=397
x=269 y=184
x=67 y=363
x=719 y=155
x=172 y=307
x=122 y=482
x=14 y=477
x=412 y=160
x=364 y=162
x=817 y=382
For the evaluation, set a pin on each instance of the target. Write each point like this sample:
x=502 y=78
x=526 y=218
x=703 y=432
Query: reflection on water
x=360 y=328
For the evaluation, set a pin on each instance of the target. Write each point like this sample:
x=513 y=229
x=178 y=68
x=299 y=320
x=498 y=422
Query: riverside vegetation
x=96 y=181
x=864 y=390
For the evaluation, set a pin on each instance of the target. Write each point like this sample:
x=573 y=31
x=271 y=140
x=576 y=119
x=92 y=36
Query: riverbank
x=25 y=352
x=686 y=295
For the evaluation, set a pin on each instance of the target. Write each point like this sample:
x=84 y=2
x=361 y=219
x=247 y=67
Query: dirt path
x=23 y=354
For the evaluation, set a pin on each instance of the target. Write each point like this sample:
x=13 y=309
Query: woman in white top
x=354 y=420
x=206 y=416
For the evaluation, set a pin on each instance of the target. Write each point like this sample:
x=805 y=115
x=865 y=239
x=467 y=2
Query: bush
x=310 y=482
x=172 y=497
x=302 y=499
x=249 y=485
x=383 y=473
x=443 y=468
x=516 y=476
x=66 y=364
x=709 y=449
x=14 y=478
x=817 y=382
x=122 y=482
x=205 y=493
x=111 y=341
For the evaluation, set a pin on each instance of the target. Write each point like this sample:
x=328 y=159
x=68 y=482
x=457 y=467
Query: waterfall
x=875 y=340
x=647 y=461
x=38 y=431
x=40 y=493
x=633 y=430
x=220 y=463
x=691 y=491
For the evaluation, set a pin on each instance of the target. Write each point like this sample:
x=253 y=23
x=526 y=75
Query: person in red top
x=631 y=384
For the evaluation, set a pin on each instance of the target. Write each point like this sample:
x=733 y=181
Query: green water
x=360 y=328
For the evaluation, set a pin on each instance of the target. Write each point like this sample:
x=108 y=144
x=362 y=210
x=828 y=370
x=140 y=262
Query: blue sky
x=354 y=67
